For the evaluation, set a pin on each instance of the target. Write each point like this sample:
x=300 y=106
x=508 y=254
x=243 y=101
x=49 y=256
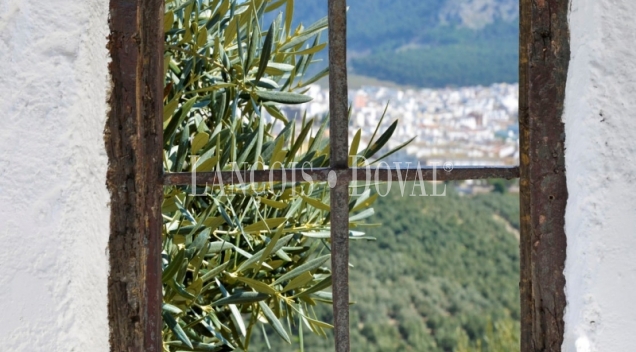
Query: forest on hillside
x=423 y=43
x=442 y=275
x=454 y=58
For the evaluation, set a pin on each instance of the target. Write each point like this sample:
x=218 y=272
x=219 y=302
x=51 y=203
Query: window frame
x=133 y=140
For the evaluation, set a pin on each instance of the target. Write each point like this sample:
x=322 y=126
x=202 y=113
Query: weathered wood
x=133 y=143
x=544 y=57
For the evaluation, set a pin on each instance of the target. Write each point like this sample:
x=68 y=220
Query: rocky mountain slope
x=429 y=43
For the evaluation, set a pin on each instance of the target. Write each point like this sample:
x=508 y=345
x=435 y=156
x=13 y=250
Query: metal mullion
x=344 y=175
x=339 y=155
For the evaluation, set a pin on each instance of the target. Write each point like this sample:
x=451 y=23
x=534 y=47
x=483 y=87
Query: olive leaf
x=236 y=255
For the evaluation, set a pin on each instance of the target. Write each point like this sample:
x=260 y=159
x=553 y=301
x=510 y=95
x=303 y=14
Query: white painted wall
x=600 y=120
x=53 y=200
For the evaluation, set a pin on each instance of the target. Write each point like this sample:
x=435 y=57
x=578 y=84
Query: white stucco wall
x=54 y=204
x=53 y=200
x=600 y=120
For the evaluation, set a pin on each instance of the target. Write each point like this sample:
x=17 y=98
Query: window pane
x=236 y=77
x=247 y=259
x=442 y=273
x=463 y=126
x=446 y=70
x=233 y=252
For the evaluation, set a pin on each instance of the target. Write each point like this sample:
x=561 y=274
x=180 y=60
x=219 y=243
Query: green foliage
x=501 y=185
x=439 y=264
x=502 y=336
x=442 y=276
x=238 y=257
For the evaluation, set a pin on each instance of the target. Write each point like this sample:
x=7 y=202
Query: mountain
x=428 y=43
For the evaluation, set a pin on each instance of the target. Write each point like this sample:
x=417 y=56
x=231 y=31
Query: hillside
x=432 y=43
x=442 y=275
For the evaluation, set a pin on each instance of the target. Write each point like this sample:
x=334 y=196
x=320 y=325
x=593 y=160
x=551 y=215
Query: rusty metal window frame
x=133 y=138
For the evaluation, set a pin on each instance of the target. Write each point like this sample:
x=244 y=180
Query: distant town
x=468 y=126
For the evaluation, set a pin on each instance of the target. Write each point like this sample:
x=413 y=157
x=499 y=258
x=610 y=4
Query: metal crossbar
x=342 y=175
